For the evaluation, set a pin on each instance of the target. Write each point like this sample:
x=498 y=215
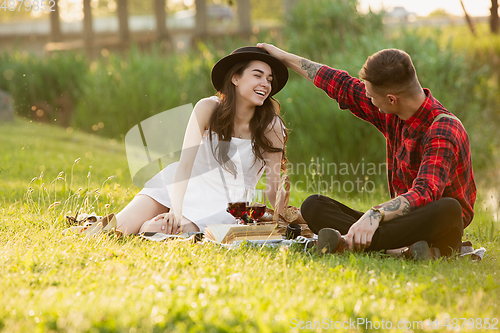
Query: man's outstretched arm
x=348 y=91
x=302 y=66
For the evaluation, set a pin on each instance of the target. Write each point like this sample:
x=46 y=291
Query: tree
x=201 y=18
x=469 y=21
x=160 y=16
x=55 y=24
x=123 y=29
x=494 y=19
x=88 y=34
x=244 y=9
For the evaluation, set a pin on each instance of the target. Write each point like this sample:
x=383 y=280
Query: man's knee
x=451 y=204
x=310 y=207
x=450 y=208
x=449 y=218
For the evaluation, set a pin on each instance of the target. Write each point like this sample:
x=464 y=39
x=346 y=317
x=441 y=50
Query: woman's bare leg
x=141 y=209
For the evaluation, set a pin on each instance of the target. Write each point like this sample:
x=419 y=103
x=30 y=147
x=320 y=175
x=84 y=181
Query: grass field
x=70 y=284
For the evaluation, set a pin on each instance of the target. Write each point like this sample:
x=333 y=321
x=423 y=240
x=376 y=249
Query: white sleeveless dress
x=206 y=197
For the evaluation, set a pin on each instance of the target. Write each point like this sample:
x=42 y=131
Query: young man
x=429 y=164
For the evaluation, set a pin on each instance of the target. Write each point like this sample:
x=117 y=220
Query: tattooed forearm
x=374 y=216
x=406 y=207
x=310 y=67
x=393 y=205
x=398 y=206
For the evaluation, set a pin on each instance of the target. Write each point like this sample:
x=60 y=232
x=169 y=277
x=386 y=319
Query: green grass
x=71 y=284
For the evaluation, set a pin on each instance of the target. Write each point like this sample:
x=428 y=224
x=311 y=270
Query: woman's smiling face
x=254 y=84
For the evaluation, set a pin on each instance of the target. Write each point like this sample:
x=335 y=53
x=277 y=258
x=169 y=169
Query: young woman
x=230 y=140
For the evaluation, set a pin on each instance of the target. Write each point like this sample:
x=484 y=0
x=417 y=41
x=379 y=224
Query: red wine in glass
x=237 y=209
x=256 y=210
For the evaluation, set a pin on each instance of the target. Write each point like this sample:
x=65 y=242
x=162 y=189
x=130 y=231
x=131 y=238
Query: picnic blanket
x=82 y=222
x=467 y=250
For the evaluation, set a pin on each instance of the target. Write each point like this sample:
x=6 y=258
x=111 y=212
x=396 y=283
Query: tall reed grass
x=60 y=197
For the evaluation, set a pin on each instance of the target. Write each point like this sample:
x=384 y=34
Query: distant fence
x=99 y=25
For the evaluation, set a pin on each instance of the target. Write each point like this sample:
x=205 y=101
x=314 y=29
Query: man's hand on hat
x=302 y=66
x=273 y=50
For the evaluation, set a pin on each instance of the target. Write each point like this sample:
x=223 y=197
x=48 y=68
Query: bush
x=319 y=28
x=122 y=91
x=51 y=84
x=114 y=93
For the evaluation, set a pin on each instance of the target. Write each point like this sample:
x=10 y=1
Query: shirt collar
x=421 y=119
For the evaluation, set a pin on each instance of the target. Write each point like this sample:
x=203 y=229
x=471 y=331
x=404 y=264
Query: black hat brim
x=249 y=53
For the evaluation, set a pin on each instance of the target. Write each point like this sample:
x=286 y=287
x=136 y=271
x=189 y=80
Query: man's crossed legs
x=438 y=223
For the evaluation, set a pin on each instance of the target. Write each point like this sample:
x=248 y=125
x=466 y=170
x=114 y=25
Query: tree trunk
x=161 y=27
x=123 y=21
x=244 y=16
x=201 y=18
x=88 y=34
x=469 y=21
x=494 y=19
x=55 y=24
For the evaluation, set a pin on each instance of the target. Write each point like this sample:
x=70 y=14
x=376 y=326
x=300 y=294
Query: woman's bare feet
x=154 y=225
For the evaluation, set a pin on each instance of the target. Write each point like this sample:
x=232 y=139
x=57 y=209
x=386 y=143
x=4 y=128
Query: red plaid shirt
x=426 y=161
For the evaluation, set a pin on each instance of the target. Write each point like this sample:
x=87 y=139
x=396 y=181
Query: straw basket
x=290 y=214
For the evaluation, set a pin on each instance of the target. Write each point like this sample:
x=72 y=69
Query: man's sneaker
x=331 y=241
x=421 y=251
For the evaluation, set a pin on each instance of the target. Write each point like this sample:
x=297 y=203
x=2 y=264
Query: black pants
x=439 y=223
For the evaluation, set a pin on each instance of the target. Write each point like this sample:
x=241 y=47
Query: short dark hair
x=390 y=71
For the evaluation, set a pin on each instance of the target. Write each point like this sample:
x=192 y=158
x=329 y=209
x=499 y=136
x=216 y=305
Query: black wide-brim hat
x=249 y=53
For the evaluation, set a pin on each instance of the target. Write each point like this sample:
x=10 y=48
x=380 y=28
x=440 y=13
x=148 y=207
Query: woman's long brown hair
x=222 y=123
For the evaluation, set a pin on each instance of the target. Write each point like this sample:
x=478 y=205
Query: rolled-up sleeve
x=350 y=93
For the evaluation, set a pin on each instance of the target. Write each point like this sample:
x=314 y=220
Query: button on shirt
x=426 y=160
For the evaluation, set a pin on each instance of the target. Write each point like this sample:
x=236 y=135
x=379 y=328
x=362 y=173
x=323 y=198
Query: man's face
x=380 y=101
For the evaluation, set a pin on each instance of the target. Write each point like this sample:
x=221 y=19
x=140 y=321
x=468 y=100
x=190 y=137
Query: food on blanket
x=268 y=215
x=292 y=214
x=282 y=223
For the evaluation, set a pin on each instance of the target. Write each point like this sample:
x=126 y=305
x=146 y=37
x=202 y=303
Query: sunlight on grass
x=73 y=284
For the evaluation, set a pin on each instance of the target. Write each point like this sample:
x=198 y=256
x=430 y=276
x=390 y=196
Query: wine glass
x=257 y=204
x=238 y=200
